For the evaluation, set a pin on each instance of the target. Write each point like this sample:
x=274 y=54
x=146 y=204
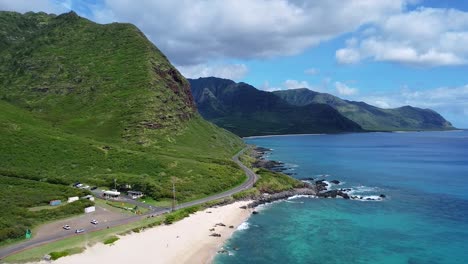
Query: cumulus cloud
x=197 y=31
x=344 y=89
x=295 y=84
x=227 y=71
x=451 y=102
x=424 y=37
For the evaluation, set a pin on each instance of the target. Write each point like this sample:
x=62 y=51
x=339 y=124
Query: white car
x=94 y=222
x=66 y=227
x=79 y=231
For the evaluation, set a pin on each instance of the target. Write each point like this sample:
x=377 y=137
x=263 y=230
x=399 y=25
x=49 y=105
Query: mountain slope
x=80 y=101
x=368 y=116
x=246 y=111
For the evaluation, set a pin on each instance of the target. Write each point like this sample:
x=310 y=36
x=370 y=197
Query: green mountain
x=370 y=117
x=81 y=101
x=246 y=111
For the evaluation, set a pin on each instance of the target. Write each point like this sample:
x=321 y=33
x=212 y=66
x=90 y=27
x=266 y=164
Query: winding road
x=251 y=179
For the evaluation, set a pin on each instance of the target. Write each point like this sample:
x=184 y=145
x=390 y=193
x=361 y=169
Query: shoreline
x=186 y=241
x=369 y=131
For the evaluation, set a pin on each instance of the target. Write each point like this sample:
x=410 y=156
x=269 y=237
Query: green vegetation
x=370 y=117
x=111 y=240
x=58 y=254
x=246 y=111
x=17 y=195
x=271 y=182
x=92 y=103
x=246 y=194
x=181 y=214
x=160 y=203
x=127 y=207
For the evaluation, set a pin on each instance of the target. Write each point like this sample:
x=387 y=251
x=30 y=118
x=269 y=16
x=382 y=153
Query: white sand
x=186 y=241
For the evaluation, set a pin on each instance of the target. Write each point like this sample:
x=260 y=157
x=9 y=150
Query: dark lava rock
x=333 y=194
x=243 y=207
x=320 y=185
x=382 y=196
x=254 y=212
x=335 y=182
x=215 y=235
x=231 y=226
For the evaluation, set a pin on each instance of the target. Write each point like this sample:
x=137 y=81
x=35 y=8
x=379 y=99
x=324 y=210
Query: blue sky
x=388 y=53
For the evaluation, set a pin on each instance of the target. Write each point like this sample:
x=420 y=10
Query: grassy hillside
x=368 y=116
x=80 y=101
x=247 y=111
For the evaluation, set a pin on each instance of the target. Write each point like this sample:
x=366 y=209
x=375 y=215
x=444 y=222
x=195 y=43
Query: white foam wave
x=243 y=226
x=301 y=196
x=362 y=189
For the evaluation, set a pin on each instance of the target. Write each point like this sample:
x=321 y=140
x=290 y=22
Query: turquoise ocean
x=424 y=218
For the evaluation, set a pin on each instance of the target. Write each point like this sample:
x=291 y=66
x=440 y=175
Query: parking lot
x=102 y=215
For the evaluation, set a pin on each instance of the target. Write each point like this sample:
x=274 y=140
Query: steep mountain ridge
x=368 y=116
x=247 y=111
x=81 y=101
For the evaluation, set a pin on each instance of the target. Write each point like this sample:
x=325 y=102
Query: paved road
x=251 y=179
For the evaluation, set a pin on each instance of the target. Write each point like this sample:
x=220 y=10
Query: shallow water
x=424 y=218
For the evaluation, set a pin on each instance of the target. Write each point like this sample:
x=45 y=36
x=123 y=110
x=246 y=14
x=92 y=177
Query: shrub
x=58 y=254
x=110 y=240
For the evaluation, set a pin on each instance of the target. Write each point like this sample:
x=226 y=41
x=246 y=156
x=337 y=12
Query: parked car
x=81 y=230
x=94 y=222
x=93 y=188
x=66 y=227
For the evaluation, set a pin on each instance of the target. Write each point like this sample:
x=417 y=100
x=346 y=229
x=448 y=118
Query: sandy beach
x=186 y=241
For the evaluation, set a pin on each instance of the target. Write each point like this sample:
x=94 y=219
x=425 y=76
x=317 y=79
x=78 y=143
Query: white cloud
x=294 y=84
x=197 y=31
x=228 y=71
x=267 y=87
x=423 y=37
x=23 y=6
x=311 y=71
x=344 y=89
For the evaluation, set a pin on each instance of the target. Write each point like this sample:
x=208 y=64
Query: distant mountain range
x=246 y=111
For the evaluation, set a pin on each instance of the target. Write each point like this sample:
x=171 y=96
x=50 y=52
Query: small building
x=72 y=199
x=135 y=194
x=111 y=194
x=90 y=209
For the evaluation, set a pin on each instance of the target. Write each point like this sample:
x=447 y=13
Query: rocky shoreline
x=313 y=187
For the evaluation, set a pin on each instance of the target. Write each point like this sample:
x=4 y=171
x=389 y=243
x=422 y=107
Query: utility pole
x=173 y=196
x=115 y=184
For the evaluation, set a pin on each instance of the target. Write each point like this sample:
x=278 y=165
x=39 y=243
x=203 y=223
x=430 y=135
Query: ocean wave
x=301 y=196
x=243 y=226
x=362 y=189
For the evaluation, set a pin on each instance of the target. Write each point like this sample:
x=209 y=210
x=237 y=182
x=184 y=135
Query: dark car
x=81 y=230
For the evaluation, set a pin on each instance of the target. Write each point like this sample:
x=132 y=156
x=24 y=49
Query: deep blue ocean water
x=423 y=220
